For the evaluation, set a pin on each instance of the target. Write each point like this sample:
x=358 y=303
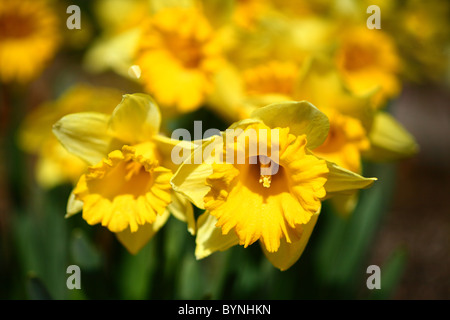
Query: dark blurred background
x=419 y=217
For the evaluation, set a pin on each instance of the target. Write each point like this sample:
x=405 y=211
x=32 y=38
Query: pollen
x=265 y=180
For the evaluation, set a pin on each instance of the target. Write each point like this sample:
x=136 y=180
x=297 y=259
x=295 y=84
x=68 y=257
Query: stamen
x=265 y=180
x=132 y=169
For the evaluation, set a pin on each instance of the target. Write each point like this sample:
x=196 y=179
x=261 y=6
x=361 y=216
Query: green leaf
x=391 y=273
x=36 y=289
x=137 y=271
x=83 y=252
x=345 y=243
x=191 y=280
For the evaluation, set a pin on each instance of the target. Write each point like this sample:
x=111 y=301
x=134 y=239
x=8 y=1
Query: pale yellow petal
x=182 y=209
x=320 y=73
x=85 y=135
x=135 y=241
x=74 y=206
x=227 y=95
x=167 y=145
x=289 y=253
x=135 y=119
x=301 y=117
x=389 y=140
x=343 y=181
x=210 y=238
x=190 y=178
x=113 y=53
x=344 y=205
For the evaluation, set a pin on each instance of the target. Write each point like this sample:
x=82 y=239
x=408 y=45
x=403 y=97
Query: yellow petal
x=210 y=238
x=135 y=119
x=389 y=140
x=113 y=53
x=190 y=178
x=227 y=95
x=85 y=135
x=343 y=181
x=55 y=165
x=167 y=145
x=344 y=205
x=135 y=241
x=320 y=73
x=74 y=206
x=301 y=118
x=124 y=191
x=182 y=209
x=289 y=253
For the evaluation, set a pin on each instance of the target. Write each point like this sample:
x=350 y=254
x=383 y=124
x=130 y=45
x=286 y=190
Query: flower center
x=125 y=190
x=14 y=25
x=187 y=51
x=357 y=57
x=272 y=78
x=266 y=168
x=127 y=177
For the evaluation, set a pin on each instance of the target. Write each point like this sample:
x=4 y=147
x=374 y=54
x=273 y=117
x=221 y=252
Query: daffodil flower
x=368 y=59
x=127 y=186
x=357 y=130
x=178 y=64
x=375 y=134
x=29 y=38
x=245 y=203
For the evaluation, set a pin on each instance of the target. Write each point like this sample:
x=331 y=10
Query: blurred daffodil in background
x=309 y=92
x=29 y=38
x=178 y=65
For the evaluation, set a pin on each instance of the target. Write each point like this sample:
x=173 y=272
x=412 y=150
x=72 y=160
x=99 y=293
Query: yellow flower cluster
x=311 y=74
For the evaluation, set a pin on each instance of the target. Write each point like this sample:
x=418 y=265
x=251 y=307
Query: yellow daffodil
x=368 y=59
x=423 y=31
x=265 y=63
x=126 y=187
x=247 y=12
x=178 y=64
x=55 y=165
x=273 y=195
x=272 y=77
x=350 y=115
x=29 y=38
x=353 y=134
x=374 y=133
x=355 y=129
x=115 y=48
x=238 y=92
x=346 y=140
